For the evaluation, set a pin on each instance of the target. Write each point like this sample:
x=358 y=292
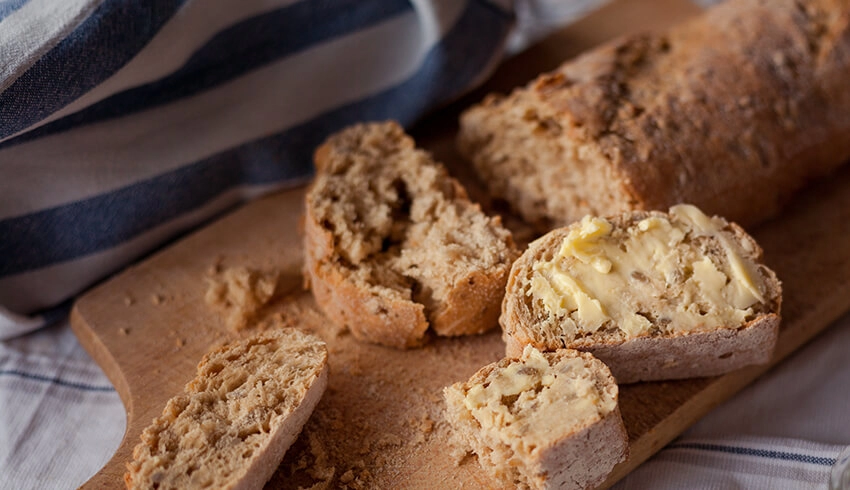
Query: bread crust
x=648 y=358
x=471 y=306
x=744 y=97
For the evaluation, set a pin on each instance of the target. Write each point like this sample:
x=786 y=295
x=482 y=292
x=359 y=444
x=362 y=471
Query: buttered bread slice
x=543 y=420
x=237 y=418
x=393 y=244
x=654 y=295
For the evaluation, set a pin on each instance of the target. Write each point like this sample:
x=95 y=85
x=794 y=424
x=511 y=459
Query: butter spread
x=529 y=402
x=651 y=273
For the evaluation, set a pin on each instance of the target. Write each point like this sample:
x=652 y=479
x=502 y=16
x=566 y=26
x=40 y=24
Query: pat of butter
x=649 y=269
x=529 y=399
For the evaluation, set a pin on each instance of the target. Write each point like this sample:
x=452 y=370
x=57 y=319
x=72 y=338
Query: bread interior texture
x=231 y=416
x=537 y=169
x=402 y=227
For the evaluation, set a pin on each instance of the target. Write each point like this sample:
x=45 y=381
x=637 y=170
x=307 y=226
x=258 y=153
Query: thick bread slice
x=393 y=243
x=653 y=295
x=238 y=417
x=732 y=111
x=541 y=421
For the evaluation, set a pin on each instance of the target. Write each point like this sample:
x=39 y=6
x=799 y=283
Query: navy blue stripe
x=55 y=381
x=9 y=6
x=763 y=453
x=95 y=224
x=96 y=49
x=234 y=51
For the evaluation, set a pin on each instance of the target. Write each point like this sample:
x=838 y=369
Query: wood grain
x=380 y=423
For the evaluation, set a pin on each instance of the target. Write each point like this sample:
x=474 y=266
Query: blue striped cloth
x=124 y=123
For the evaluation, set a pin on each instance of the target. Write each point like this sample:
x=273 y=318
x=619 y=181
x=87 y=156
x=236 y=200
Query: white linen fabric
x=177 y=111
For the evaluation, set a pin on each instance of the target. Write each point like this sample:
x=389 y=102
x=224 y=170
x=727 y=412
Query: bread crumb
x=124 y=331
x=179 y=342
x=347 y=477
x=215 y=267
x=128 y=300
x=321 y=469
x=240 y=292
x=157 y=299
x=423 y=425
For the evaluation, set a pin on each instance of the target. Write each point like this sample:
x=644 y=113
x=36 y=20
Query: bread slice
x=237 y=418
x=393 y=243
x=750 y=95
x=541 y=421
x=653 y=295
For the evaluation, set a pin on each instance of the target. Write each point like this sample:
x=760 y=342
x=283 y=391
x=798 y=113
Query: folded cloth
x=124 y=123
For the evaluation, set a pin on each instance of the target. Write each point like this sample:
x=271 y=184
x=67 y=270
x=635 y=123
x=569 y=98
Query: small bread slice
x=237 y=418
x=393 y=244
x=544 y=420
x=653 y=295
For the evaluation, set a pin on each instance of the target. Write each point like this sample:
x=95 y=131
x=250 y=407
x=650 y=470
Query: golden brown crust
x=665 y=356
x=732 y=112
x=429 y=216
x=473 y=306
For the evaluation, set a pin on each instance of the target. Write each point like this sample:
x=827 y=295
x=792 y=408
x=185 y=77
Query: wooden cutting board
x=380 y=423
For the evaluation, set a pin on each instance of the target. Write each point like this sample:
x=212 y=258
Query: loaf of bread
x=653 y=295
x=732 y=111
x=541 y=420
x=236 y=419
x=393 y=244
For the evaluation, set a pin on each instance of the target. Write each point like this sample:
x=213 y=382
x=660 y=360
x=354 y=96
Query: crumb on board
x=216 y=266
x=240 y=292
x=124 y=331
x=128 y=300
x=157 y=299
x=321 y=470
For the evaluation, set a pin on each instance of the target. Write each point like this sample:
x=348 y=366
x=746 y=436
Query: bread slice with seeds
x=543 y=420
x=653 y=295
x=231 y=428
x=394 y=245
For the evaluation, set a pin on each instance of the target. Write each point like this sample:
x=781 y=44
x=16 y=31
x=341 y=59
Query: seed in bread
x=654 y=295
x=231 y=428
x=393 y=243
x=732 y=111
x=543 y=420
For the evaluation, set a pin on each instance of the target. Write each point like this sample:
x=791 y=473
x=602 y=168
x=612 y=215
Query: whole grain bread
x=541 y=420
x=687 y=333
x=732 y=111
x=231 y=428
x=393 y=244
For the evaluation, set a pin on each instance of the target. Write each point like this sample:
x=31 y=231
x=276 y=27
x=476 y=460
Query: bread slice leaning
x=393 y=244
x=231 y=428
x=543 y=420
x=653 y=295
